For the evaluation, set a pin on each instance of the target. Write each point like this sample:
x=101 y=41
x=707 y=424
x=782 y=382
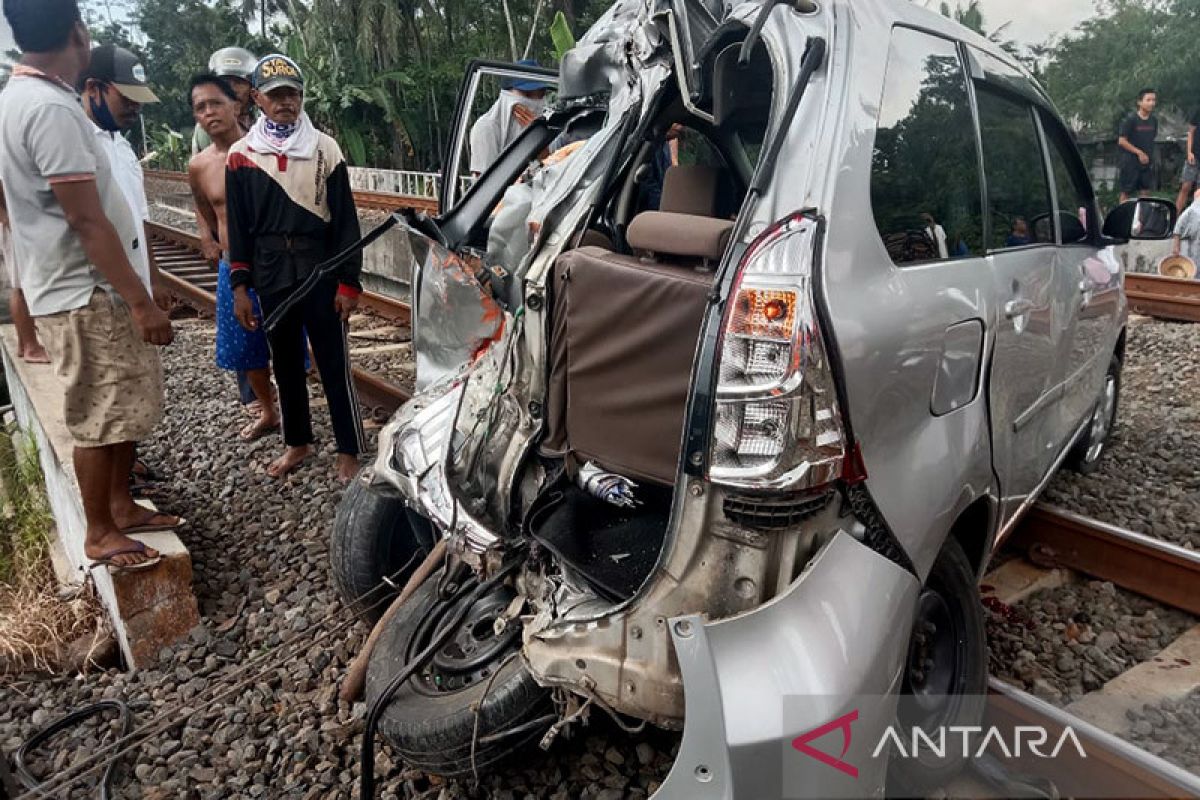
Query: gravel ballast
x=1168 y=729
x=1063 y=642
x=260 y=555
x=1149 y=480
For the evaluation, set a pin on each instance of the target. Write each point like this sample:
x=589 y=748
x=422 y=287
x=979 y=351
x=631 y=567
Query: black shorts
x=1137 y=178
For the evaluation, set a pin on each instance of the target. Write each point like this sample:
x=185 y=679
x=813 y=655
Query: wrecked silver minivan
x=707 y=425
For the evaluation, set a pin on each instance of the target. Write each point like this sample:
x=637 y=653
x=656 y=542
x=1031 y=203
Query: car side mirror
x=1147 y=218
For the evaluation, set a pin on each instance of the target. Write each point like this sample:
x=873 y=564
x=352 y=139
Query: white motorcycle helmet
x=233 y=62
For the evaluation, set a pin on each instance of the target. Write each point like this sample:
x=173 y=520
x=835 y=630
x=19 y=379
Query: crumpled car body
x=784 y=566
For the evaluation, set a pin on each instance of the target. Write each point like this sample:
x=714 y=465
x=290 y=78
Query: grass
x=25 y=546
x=36 y=624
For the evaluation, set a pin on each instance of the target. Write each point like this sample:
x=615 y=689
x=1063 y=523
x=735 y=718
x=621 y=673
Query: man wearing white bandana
x=290 y=207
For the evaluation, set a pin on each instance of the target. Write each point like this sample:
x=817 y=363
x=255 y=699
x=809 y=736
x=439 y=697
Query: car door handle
x=1018 y=308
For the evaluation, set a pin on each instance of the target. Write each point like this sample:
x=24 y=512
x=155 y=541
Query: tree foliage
x=1095 y=72
x=382 y=75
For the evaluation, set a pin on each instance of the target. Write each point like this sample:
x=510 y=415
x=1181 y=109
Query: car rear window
x=925 y=193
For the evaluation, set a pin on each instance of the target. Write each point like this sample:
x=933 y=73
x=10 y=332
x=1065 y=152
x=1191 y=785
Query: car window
x=925 y=192
x=1018 y=194
x=1074 y=194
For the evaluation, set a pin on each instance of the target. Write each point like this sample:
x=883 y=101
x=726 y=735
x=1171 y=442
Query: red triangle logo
x=842 y=723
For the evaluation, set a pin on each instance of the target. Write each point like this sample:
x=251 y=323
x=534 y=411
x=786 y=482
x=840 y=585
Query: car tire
x=431 y=720
x=945 y=676
x=1085 y=456
x=373 y=538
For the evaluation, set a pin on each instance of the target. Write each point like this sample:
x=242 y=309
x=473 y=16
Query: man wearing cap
x=289 y=208
x=77 y=244
x=520 y=102
x=113 y=90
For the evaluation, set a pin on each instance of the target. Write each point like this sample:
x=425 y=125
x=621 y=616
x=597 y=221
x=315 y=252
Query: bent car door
x=498 y=129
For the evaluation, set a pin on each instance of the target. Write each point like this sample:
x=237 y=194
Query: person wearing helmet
x=235 y=65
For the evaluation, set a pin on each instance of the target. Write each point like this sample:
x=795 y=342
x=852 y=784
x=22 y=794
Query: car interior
x=618 y=392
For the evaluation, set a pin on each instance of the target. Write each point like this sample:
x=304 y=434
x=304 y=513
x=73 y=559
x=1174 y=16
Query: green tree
x=1095 y=72
x=180 y=36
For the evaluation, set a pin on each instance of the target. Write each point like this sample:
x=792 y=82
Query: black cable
x=169 y=719
x=63 y=723
x=366 y=789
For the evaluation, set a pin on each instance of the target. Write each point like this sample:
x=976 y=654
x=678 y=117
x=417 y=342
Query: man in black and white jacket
x=290 y=207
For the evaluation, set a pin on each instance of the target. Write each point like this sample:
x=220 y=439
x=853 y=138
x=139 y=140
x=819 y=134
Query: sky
x=1034 y=22
x=1031 y=23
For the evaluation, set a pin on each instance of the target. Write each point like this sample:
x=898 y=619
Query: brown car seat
x=624 y=331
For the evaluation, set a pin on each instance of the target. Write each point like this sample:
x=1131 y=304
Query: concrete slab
x=1016 y=579
x=149 y=609
x=1172 y=674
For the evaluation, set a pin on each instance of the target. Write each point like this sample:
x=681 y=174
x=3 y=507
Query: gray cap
x=119 y=67
x=233 y=62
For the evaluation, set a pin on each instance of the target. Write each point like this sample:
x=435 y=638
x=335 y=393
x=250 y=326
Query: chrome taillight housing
x=776 y=423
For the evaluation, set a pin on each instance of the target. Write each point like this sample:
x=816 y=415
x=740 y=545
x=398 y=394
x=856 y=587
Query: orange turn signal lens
x=765 y=313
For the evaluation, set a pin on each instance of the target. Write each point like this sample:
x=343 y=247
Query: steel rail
x=1162 y=571
x=1111 y=767
x=178 y=273
x=1167 y=298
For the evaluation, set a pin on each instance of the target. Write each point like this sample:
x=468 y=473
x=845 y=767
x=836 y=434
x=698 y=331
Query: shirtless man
x=215 y=107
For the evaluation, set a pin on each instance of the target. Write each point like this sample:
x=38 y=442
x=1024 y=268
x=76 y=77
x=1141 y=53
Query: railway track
x=1166 y=298
x=193 y=281
x=378 y=201
x=1055 y=539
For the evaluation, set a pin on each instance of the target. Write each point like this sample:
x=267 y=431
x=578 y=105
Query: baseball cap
x=121 y=68
x=233 y=62
x=525 y=84
x=277 y=70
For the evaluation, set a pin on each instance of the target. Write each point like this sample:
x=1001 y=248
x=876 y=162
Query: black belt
x=288 y=242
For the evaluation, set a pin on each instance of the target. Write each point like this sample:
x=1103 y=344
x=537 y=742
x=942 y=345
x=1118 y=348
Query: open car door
x=454 y=315
x=495 y=100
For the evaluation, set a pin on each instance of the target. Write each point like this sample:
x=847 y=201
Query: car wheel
x=1085 y=458
x=373 y=538
x=945 y=676
x=474 y=689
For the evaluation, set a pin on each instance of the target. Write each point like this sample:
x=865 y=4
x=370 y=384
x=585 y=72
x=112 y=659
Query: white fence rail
x=407 y=183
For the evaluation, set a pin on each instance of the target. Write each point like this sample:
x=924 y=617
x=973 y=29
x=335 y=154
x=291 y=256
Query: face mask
x=280 y=131
x=102 y=115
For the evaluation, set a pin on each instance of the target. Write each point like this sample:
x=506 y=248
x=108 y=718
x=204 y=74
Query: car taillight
x=777 y=423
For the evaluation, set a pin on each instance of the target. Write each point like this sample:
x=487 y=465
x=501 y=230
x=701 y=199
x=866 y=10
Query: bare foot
x=118 y=550
x=347 y=467
x=35 y=354
x=260 y=427
x=291 y=458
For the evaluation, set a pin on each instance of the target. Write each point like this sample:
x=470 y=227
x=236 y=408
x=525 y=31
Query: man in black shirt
x=1137 y=135
x=1191 y=167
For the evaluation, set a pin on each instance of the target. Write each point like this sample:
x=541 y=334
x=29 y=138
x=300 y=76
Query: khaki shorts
x=114 y=386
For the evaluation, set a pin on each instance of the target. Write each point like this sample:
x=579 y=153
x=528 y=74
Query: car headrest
x=685 y=235
x=690 y=189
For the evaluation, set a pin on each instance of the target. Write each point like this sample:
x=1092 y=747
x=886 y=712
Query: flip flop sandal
x=150 y=527
x=251 y=432
x=137 y=548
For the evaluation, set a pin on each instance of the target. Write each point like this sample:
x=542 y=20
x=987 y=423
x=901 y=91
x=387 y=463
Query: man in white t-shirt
x=76 y=246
